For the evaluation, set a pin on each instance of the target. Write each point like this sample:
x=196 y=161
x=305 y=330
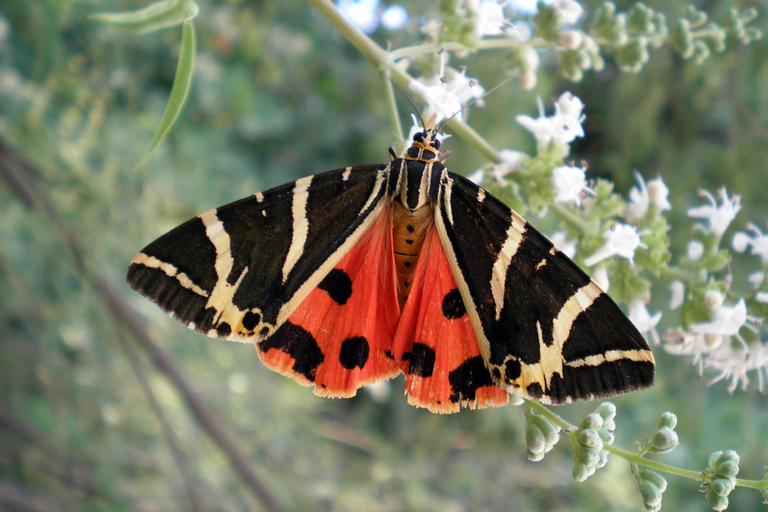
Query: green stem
x=637 y=458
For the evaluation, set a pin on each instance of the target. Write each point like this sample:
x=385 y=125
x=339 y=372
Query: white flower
x=719 y=217
x=639 y=199
x=659 y=194
x=735 y=363
x=677 y=292
x=726 y=320
x=394 y=17
x=362 y=13
x=756 y=279
x=600 y=277
x=489 y=19
x=562 y=127
x=570 y=183
x=762 y=297
x=639 y=315
x=758 y=241
x=561 y=241
x=569 y=11
x=477 y=177
x=621 y=240
x=694 y=250
x=642 y=196
x=445 y=98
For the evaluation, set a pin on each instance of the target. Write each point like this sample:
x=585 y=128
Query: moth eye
x=436 y=144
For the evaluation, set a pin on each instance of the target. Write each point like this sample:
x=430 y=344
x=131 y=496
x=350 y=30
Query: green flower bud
x=606 y=435
x=722 y=486
x=727 y=469
x=632 y=56
x=534 y=439
x=715 y=501
x=581 y=472
x=588 y=456
x=654 y=478
x=664 y=441
x=590 y=438
x=607 y=411
x=668 y=419
x=550 y=430
x=640 y=19
x=592 y=420
x=718 y=458
x=681 y=38
x=651 y=496
x=698 y=18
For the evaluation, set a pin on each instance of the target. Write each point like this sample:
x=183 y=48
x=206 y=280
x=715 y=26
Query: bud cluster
x=541 y=435
x=651 y=485
x=588 y=441
x=720 y=478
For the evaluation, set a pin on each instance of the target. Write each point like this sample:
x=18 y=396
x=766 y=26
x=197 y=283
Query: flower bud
x=716 y=501
x=664 y=441
x=728 y=469
x=592 y=420
x=713 y=299
x=571 y=39
x=590 y=438
x=722 y=486
x=668 y=419
x=582 y=472
x=607 y=411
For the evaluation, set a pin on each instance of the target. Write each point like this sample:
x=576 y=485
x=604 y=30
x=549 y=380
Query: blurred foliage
x=277 y=94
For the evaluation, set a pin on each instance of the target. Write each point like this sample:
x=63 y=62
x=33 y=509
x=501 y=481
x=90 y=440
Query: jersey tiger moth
x=350 y=277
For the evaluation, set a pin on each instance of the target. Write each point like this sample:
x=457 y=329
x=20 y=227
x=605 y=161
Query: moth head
x=427 y=139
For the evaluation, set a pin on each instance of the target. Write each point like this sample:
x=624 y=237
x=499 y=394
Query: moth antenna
x=475 y=101
x=418 y=112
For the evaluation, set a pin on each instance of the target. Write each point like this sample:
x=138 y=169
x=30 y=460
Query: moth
x=356 y=275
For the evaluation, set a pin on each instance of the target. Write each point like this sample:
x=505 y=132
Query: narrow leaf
x=156 y=16
x=181 y=84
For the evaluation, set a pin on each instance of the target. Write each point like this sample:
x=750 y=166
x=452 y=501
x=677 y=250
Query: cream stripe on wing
x=515 y=235
x=222 y=293
x=611 y=356
x=573 y=307
x=300 y=225
x=170 y=271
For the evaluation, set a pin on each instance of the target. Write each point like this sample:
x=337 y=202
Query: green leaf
x=156 y=16
x=181 y=84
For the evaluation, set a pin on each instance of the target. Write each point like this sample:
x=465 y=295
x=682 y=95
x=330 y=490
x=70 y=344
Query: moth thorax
x=409 y=229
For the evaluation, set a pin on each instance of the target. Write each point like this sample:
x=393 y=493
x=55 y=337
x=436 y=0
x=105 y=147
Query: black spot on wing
x=354 y=352
x=422 y=360
x=534 y=390
x=298 y=343
x=512 y=369
x=470 y=376
x=223 y=329
x=337 y=285
x=453 y=305
x=251 y=320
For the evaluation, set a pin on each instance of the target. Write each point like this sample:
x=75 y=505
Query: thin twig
x=12 y=169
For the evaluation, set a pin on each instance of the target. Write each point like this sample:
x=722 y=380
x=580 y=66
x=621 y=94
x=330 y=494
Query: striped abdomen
x=408 y=229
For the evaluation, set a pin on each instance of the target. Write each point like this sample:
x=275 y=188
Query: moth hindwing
x=353 y=276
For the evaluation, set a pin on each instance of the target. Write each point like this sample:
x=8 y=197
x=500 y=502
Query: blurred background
x=107 y=404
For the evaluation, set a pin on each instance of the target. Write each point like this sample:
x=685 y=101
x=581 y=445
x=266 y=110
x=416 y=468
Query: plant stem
x=637 y=459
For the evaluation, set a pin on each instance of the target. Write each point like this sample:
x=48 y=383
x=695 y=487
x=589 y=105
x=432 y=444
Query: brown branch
x=16 y=171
